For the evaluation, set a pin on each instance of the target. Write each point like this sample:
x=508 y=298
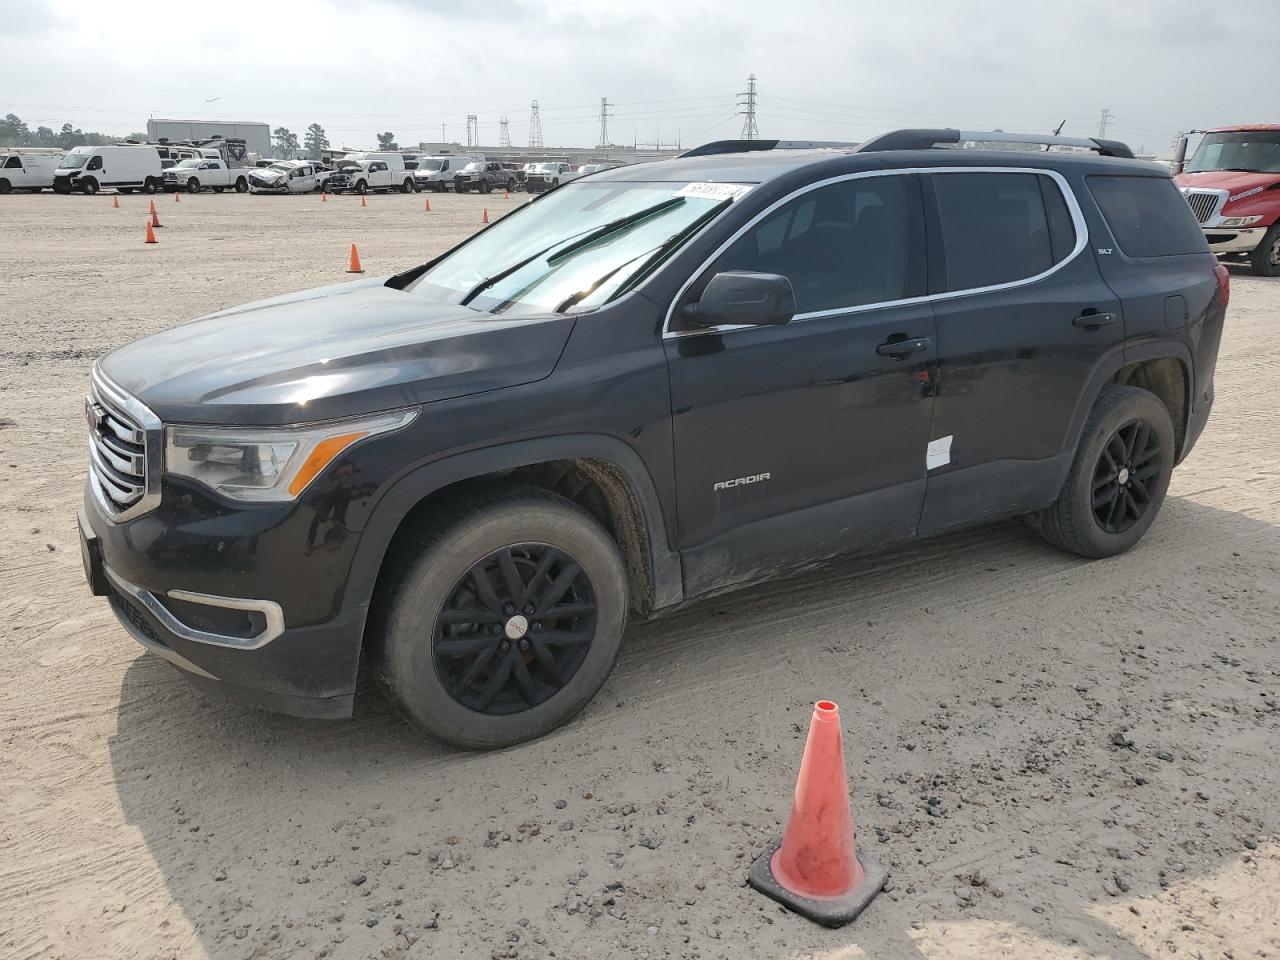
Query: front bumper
x=1234 y=239
x=190 y=586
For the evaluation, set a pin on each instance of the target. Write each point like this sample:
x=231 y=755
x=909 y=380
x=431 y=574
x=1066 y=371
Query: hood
x=338 y=351
x=1234 y=182
x=266 y=174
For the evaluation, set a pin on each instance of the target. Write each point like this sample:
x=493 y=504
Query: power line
x=749 y=129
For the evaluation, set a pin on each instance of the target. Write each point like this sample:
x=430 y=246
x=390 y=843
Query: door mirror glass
x=743 y=296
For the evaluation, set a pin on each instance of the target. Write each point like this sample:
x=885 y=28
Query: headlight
x=1239 y=221
x=273 y=464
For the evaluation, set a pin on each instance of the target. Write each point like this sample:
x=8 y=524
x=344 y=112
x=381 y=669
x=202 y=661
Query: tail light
x=1224 y=282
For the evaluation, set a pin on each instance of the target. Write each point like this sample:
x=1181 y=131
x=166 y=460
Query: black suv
x=484 y=177
x=660 y=382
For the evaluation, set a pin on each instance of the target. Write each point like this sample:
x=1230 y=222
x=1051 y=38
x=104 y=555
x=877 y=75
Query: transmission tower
x=535 y=126
x=747 y=99
x=1102 y=123
x=504 y=135
x=473 y=130
x=604 y=121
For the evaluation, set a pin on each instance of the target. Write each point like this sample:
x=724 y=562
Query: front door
x=807 y=439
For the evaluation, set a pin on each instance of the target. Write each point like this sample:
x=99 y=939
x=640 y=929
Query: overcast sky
x=827 y=69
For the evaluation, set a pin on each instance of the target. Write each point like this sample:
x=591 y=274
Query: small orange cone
x=115 y=202
x=176 y=198
x=362 y=201
x=155 y=218
x=506 y=194
x=324 y=197
x=816 y=869
x=485 y=218
x=355 y=261
x=152 y=211
x=151 y=234
x=426 y=204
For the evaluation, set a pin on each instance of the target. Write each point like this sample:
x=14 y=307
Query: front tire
x=361 y=187
x=1265 y=258
x=193 y=185
x=506 y=620
x=89 y=186
x=5 y=187
x=1118 y=479
x=149 y=186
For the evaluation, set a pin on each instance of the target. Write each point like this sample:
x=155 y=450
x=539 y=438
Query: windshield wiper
x=1239 y=170
x=587 y=237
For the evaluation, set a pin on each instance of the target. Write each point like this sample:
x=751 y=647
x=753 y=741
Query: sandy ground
x=1055 y=758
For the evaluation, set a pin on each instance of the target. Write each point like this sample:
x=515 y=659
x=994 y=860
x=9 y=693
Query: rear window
x=1147 y=216
x=1000 y=227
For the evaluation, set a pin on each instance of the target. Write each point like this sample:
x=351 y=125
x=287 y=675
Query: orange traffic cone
x=152 y=211
x=155 y=218
x=324 y=197
x=355 y=261
x=115 y=202
x=506 y=194
x=151 y=234
x=426 y=204
x=485 y=217
x=362 y=201
x=176 y=198
x=816 y=869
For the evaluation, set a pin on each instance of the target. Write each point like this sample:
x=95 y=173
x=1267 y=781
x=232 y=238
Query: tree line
x=14 y=132
x=286 y=145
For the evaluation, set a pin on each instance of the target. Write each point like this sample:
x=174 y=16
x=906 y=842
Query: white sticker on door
x=938 y=453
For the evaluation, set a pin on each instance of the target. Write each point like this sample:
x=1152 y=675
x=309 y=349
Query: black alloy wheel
x=1129 y=462
x=514 y=629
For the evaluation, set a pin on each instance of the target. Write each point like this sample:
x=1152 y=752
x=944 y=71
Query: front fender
x=410 y=490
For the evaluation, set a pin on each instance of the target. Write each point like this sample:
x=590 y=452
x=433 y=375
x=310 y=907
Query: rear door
x=1024 y=319
x=807 y=439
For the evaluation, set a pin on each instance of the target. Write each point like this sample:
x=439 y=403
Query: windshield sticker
x=713 y=191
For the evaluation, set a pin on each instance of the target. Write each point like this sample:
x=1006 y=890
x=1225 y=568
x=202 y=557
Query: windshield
x=473 y=168
x=544 y=168
x=74 y=161
x=280 y=167
x=428 y=164
x=1254 y=151
x=576 y=248
x=188 y=163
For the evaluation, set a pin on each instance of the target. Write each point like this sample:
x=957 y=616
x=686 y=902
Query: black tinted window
x=840 y=246
x=995 y=228
x=1148 y=216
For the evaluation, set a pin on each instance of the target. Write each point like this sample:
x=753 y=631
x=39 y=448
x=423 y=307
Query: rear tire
x=242 y=185
x=1119 y=478
x=538 y=683
x=1265 y=258
x=149 y=186
x=407 y=186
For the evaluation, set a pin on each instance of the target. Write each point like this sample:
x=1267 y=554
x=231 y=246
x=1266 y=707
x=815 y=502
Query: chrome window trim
x=152 y=442
x=1068 y=195
x=270 y=610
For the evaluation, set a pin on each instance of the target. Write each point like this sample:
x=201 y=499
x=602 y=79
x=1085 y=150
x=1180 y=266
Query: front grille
x=117 y=454
x=1204 y=203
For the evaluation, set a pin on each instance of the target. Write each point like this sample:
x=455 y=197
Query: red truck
x=1232 y=183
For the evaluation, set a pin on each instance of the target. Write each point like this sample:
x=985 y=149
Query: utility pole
x=473 y=131
x=442 y=136
x=1102 y=123
x=749 y=129
x=535 y=126
x=504 y=135
x=604 y=121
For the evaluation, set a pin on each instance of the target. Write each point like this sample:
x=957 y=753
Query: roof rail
x=926 y=139
x=750 y=146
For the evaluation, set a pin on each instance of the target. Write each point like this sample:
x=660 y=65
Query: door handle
x=904 y=347
x=1091 y=321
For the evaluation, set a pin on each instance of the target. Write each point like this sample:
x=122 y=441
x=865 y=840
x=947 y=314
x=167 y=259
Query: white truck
x=437 y=173
x=198 y=173
x=127 y=167
x=27 y=171
x=547 y=176
x=371 y=173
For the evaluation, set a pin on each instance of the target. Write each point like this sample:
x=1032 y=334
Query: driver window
x=95 y=163
x=842 y=245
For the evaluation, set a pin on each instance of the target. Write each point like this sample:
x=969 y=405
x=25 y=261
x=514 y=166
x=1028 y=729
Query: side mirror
x=743 y=296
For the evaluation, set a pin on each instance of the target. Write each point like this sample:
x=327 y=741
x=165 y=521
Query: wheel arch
x=599 y=473
x=1169 y=377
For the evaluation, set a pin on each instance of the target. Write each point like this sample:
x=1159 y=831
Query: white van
x=27 y=171
x=126 y=167
x=437 y=173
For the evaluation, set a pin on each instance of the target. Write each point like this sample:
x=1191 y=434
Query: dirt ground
x=1054 y=758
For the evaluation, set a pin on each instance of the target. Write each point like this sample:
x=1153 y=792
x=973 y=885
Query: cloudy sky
x=827 y=69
